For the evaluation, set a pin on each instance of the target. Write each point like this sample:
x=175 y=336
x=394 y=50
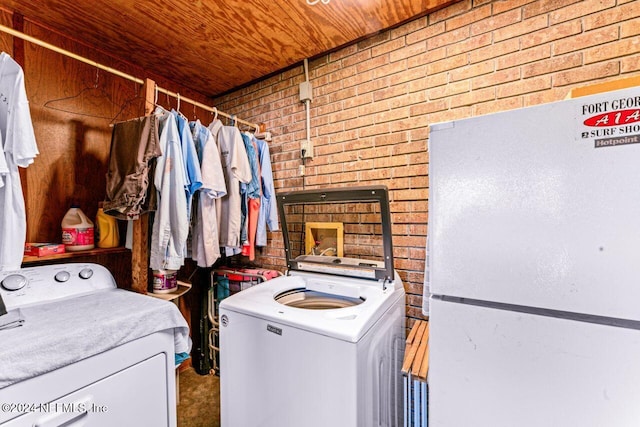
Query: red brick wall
x=374 y=100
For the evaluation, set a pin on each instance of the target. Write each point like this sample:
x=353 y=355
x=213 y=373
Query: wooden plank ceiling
x=213 y=46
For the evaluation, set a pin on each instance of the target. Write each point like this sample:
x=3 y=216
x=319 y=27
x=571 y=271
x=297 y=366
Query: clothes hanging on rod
x=193 y=175
x=208 y=108
x=19 y=149
x=268 y=216
x=235 y=164
x=165 y=254
x=239 y=216
x=251 y=194
x=227 y=196
x=205 y=249
x=171 y=224
x=135 y=146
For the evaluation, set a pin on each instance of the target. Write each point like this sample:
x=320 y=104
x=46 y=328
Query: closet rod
x=64 y=52
x=206 y=107
x=46 y=45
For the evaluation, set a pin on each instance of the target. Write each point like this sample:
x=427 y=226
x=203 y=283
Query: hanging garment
x=268 y=216
x=249 y=245
x=171 y=224
x=19 y=149
x=205 y=249
x=193 y=177
x=134 y=147
x=252 y=188
x=250 y=199
x=235 y=165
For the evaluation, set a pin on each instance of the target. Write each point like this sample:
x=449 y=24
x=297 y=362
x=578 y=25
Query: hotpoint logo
x=612 y=122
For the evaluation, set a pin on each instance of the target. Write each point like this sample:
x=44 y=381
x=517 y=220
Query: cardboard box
x=42 y=249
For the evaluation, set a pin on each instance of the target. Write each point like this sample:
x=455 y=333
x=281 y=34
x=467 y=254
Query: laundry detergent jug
x=107 y=234
x=77 y=230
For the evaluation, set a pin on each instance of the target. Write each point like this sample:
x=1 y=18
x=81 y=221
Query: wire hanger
x=154 y=103
x=126 y=104
x=180 y=112
x=155 y=95
x=249 y=128
x=77 y=104
x=159 y=108
x=155 y=98
x=214 y=113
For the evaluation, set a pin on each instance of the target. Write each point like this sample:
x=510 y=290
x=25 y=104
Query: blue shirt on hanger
x=268 y=216
x=193 y=176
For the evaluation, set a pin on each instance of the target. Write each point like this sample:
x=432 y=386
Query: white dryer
x=323 y=345
x=75 y=350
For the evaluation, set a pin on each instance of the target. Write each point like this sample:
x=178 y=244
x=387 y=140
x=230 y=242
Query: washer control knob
x=85 y=273
x=13 y=282
x=62 y=276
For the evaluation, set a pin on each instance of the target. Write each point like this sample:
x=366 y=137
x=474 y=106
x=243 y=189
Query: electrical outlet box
x=306 y=149
x=306 y=91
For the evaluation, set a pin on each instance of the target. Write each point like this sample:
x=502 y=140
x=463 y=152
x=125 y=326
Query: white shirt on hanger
x=205 y=248
x=171 y=224
x=18 y=150
x=235 y=165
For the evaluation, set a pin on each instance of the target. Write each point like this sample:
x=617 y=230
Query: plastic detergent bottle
x=77 y=230
x=165 y=281
x=107 y=234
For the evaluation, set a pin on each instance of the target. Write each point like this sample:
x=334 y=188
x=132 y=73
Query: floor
x=199 y=404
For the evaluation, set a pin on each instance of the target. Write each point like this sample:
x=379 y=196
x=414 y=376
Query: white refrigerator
x=534 y=266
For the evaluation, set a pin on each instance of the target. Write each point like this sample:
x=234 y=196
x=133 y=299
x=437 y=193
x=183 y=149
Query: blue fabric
x=181 y=357
x=252 y=189
x=268 y=216
x=193 y=177
x=222 y=288
x=200 y=135
x=171 y=223
x=211 y=171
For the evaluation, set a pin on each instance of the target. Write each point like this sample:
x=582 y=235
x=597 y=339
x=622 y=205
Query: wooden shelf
x=91 y=252
x=183 y=288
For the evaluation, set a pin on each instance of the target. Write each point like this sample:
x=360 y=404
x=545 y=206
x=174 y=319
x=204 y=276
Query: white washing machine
x=75 y=350
x=323 y=345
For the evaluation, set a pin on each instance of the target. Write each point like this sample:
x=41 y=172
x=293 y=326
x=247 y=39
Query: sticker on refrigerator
x=610 y=122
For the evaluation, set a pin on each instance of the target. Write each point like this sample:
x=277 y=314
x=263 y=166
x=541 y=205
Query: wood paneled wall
x=6 y=41
x=72 y=106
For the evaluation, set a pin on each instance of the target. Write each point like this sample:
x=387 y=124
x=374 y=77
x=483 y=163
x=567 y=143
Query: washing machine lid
x=338 y=231
x=349 y=322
